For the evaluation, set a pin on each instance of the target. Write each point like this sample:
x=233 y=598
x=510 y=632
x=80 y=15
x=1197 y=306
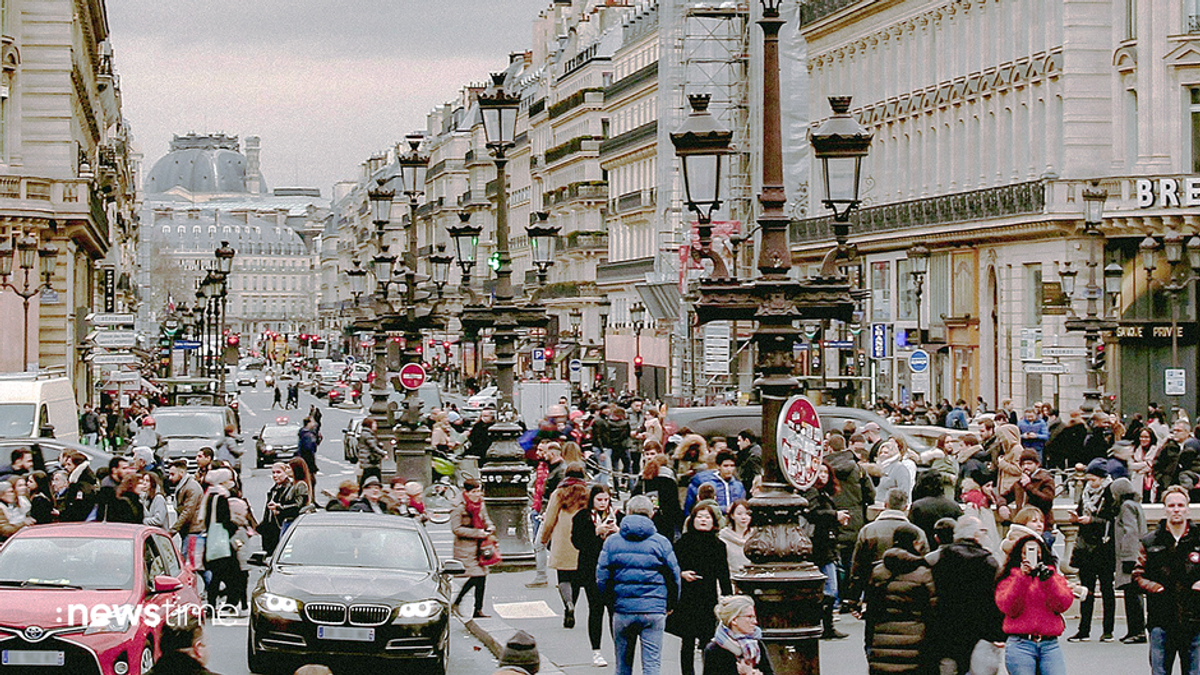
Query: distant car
x=64 y=589
x=486 y=396
x=52 y=449
x=324 y=381
x=429 y=396
x=342 y=393
x=247 y=378
x=929 y=435
x=350 y=439
x=342 y=588
x=187 y=428
x=276 y=443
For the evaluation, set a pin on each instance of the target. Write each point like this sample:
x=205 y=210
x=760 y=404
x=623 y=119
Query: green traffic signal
x=494 y=261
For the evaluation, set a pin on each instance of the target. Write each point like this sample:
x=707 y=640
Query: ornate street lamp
x=542 y=241
x=358 y=280
x=1093 y=324
x=381 y=205
x=27 y=256
x=466 y=244
x=701 y=144
x=841 y=144
x=224 y=255
x=440 y=266
x=919 y=255
x=381 y=267
x=413 y=166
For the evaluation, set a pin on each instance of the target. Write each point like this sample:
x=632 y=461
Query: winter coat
x=588 y=543
x=1039 y=493
x=1166 y=465
x=1008 y=467
x=926 y=511
x=555 y=532
x=1065 y=446
x=637 y=572
x=900 y=600
x=617 y=434
x=369 y=451
x=728 y=491
x=189 y=500
x=895 y=475
x=178 y=663
x=467 y=537
x=964 y=573
x=1094 y=545
x=1040 y=431
x=873 y=541
x=662 y=490
x=694 y=615
x=1033 y=606
x=1165 y=571
x=1128 y=530
x=822 y=516
x=856 y=494
x=721 y=661
x=80 y=498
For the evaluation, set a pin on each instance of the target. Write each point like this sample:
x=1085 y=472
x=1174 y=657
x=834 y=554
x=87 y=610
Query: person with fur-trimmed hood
x=900 y=602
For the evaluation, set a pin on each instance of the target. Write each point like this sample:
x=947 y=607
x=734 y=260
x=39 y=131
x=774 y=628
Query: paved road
x=227 y=642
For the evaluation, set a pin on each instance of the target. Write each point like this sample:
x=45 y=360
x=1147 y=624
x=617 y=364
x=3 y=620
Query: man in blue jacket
x=638 y=577
x=723 y=478
x=1034 y=432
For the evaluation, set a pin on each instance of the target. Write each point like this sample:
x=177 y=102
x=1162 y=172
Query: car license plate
x=351 y=634
x=31 y=658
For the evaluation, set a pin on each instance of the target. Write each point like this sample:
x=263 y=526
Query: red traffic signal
x=549 y=352
x=637 y=361
x=233 y=340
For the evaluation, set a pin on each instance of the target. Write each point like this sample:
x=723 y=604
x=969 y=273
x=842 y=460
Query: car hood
x=307 y=583
x=186 y=447
x=52 y=608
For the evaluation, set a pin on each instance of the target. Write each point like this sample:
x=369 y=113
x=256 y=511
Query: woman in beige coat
x=569 y=498
x=471 y=526
x=1008 y=468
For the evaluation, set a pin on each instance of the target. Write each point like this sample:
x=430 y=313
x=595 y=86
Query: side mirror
x=258 y=559
x=254 y=436
x=166 y=584
x=345 y=431
x=453 y=568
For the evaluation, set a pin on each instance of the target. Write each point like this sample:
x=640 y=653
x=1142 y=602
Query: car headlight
x=118 y=619
x=418 y=610
x=278 y=604
x=269 y=448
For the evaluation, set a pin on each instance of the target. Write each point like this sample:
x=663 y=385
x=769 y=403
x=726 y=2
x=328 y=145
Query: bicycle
x=442 y=494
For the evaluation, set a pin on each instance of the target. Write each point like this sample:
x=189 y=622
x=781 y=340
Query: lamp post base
x=787 y=599
x=505 y=477
x=412 y=456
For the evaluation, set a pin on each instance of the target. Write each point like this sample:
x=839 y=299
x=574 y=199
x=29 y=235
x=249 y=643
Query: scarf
x=745 y=647
x=474 y=510
x=1093 y=497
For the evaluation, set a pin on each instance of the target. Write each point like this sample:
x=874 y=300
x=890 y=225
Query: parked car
x=350 y=439
x=276 y=443
x=59 y=583
x=187 y=428
x=52 y=449
x=728 y=421
x=344 y=588
x=477 y=402
x=429 y=396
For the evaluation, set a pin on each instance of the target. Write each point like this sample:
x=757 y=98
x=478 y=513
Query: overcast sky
x=325 y=84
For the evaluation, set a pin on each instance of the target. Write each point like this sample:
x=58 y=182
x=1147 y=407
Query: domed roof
x=200 y=164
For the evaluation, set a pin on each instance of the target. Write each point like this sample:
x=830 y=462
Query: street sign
x=115 y=359
x=412 y=375
x=918 y=361
x=124 y=376
x=187 y=344
x=114 y=338
x=1045 y=368
x=1064 y=352
x=879 y=341
x=111 y=319
x=839 y=344
x=539 y=359
x=800 y=442
x=576 y=368
x=716 y=348
x=1175 y=381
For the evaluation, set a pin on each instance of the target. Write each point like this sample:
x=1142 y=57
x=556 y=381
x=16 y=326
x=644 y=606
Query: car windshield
x=86 y=562
x=340 y=546
x=287 y=434
x=16 y=420
x=194 y=424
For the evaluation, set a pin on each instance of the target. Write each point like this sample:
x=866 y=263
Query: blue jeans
x=1026 y=657
x=1164 y=647
x=627 y=629
x=829 y=569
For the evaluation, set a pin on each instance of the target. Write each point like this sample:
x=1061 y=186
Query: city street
x=227 y=639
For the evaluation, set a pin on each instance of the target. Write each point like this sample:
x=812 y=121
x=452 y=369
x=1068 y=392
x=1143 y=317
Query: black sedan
x=51 y=449
x=343 y=587
x=276 y=443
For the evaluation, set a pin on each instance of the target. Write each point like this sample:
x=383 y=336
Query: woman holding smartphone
x=1033 y=595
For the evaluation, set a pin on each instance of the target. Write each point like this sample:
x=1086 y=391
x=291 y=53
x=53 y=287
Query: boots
x=564 y=590
x=829 y=632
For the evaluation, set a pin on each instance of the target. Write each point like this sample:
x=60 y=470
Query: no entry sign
x=412 y=376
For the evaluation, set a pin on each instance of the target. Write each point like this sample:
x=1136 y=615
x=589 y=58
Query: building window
x=1033 y=295
x=881 y=291
x=1194 y=114
x=906 y=291
x=1191 y=15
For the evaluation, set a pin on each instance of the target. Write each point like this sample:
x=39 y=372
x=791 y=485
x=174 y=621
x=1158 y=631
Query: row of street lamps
x=23 y=249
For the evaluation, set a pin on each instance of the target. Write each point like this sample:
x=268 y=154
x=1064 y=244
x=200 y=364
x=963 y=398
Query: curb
x=495 y=633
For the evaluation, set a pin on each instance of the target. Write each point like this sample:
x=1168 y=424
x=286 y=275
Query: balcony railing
x=647 y=133
x=625 y=270
x=583 y=191
x=575 y=100
x=1006 y=200
x=472 y=198
x=1192 y=24
x=569 y=148
x=586 y=241
x=638 y=199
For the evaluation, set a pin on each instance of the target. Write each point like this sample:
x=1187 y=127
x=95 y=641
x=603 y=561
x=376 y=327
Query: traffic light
x=494 y=261
x=637 y=365
x=1098 y=357
x=549 y=353
x=233 y=340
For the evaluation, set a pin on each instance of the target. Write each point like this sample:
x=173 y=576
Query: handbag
x=218 y=544
x=489 y=551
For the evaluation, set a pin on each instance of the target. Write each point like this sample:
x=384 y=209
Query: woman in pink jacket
x=1033 y=595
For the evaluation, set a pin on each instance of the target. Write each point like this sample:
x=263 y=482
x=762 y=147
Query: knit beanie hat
x=1098 y=467
x=1029 y=455
x=522 y=652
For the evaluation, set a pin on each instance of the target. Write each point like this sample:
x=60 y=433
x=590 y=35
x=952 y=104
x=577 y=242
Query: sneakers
x=1107 y=637
x=598 y=659
x=1079 y=637
x=1134 y=639
x=569 y=618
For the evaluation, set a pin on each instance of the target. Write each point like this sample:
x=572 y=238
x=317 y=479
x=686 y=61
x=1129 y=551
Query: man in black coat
x=856 y=493
x=1066 y=443
x=930 y=503
x=1168 y=572
x=79 y=500
x=964 y=574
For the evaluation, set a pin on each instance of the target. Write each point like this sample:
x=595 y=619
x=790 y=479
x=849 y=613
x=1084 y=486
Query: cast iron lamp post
x=1093 y=325
x=604 y=308
x=224 y=267
x=1178 y=280
x=542 y=241
x=439 y=265
x=919 y=256
x=505 y=475
x=785 y=585
x=27 y=256
x=466 y=252
x=637 y=318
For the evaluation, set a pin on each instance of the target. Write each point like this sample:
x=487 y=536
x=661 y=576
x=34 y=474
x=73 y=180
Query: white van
x=31 y=401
